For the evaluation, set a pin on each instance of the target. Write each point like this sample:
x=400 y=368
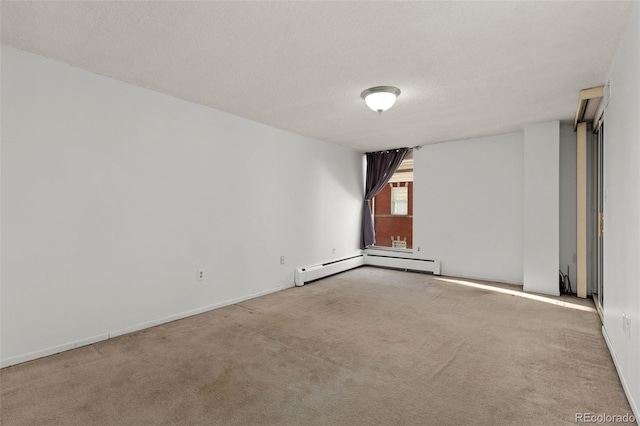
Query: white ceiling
x=465 y=69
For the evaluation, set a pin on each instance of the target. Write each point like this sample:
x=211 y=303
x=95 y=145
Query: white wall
x=541 y=207
x=113 y=196
x=622 y=210
x=568 y=202
x=468 y=206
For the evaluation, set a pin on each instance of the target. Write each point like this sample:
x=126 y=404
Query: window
x=399 y=200
x=398 y=244
x=392 y=209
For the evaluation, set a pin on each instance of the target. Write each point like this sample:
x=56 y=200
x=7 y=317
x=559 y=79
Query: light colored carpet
x=366 y=347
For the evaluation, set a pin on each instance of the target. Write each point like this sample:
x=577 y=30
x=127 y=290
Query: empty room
x=319 y=213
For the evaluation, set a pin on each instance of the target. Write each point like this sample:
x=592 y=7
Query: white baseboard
x=632 y=403
x=30 y=356
x=52 y=350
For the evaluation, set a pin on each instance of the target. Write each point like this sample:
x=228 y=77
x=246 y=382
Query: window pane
x=392 y=216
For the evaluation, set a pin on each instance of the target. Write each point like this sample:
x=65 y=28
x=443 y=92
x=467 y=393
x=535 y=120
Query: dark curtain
x=380 y=167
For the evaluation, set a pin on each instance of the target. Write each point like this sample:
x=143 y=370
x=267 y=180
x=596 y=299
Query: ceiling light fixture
x=380 y=98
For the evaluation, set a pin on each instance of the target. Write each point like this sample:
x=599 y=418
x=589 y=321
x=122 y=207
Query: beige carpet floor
x=366 y=347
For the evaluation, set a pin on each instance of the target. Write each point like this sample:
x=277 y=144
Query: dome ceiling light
x=380 y=98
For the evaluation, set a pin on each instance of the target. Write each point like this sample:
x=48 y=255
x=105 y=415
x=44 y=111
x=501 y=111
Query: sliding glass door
x=598 y=228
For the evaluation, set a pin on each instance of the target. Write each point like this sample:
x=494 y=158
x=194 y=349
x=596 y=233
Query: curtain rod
x=386 y=150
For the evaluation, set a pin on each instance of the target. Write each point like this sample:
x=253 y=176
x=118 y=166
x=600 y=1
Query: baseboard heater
x=315 y=272
x=312 y=273
x=421 y=265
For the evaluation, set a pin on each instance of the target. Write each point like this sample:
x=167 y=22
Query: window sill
x=395 y=250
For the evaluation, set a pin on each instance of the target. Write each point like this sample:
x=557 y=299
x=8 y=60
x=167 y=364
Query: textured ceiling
x=465 y=69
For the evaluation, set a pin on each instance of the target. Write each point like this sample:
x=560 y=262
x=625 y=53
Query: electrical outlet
x=200 y=275
x=575 y=258
x=418 y=248
x=333 y=251
x=282 y=260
